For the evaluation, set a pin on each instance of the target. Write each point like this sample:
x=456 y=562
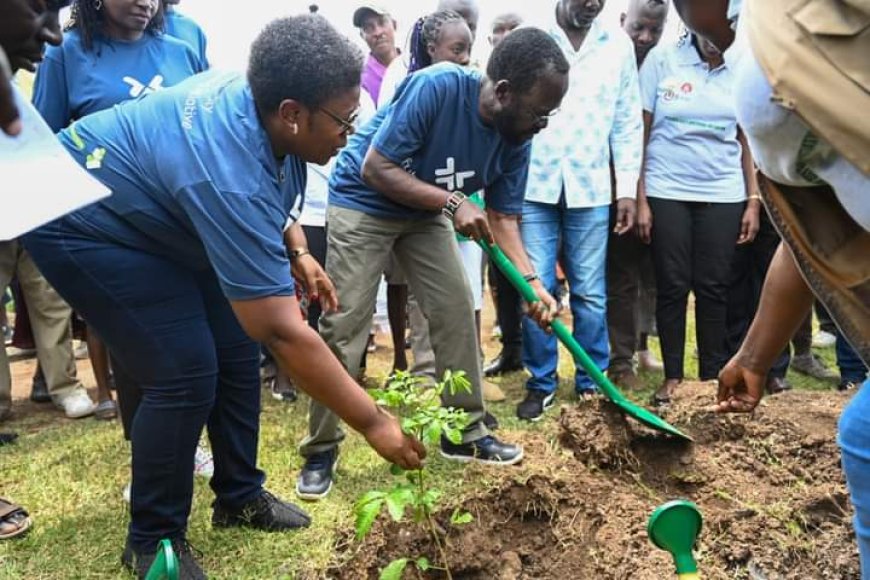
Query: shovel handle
x=689 y=576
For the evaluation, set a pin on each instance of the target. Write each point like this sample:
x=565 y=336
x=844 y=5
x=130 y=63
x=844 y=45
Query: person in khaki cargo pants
x=52 y=333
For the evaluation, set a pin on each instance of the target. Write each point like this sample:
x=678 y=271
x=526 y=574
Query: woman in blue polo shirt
x=113 y=51
x=186 y=267
x=696 y=198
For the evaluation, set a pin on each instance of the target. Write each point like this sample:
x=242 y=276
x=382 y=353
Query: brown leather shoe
x=776 y=385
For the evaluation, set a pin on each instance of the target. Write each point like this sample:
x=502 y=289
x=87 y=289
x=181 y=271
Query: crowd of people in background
x=609 y=166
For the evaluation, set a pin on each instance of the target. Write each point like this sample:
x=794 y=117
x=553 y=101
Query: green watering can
x=580 y=356
x=674 y=527
x=165 y=565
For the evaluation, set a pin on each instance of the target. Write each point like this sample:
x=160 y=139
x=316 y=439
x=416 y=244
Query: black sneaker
x=189 y=568
x=266 y=512
x=315 y=480
x=533 y=406
x=8 y=438
x=487 y=449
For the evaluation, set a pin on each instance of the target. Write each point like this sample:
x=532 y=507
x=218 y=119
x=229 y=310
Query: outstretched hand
x=316 y=282
x=386 y=437
x=740 y=389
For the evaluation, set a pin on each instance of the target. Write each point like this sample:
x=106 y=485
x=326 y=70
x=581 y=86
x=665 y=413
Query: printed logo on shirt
x=672 y=89
x=450 y=178
x=94 y=160
x=138 y=89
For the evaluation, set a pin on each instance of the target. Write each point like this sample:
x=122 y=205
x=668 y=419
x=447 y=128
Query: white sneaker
x=125 y=493
x=203 y=462
x=824 y=339
x=78 y=405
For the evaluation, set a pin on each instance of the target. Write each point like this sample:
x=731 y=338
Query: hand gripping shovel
x=165 y=565
x=674 y=527
x=580 y=357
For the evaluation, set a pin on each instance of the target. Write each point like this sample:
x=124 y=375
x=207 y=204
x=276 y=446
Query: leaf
x=453 y=435
x=366 y=513
x=397 y=500
x=394 y=570
x=433 y=433
x=423 y=564
x=460 y=518
x=396 y=470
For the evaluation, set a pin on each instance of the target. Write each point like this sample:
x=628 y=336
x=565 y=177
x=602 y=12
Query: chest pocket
x=840 y=30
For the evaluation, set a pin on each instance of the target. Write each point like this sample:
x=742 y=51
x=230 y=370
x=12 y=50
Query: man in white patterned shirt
x=566 y=210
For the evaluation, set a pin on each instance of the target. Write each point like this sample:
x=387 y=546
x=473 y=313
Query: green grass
x=69 y=475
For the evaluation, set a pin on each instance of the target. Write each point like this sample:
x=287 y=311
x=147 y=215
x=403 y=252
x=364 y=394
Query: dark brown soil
x=769 y=486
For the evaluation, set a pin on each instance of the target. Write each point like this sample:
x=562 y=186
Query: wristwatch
x=456 y=199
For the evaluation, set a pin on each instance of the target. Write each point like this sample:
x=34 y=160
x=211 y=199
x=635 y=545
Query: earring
x=98 y=5
x=295 y=128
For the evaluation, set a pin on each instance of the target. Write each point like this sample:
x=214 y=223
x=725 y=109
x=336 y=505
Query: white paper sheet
x=39 y=181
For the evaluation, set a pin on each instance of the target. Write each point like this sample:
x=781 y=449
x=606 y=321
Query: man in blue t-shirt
x=400 y=186
x=189 y=262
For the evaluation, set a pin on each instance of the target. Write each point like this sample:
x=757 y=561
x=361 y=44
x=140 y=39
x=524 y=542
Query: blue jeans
x=579 y=238
x=172 y=330
x=854 y=440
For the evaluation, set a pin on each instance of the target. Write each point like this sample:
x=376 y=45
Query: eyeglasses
x=541 y=120
x=347 y=125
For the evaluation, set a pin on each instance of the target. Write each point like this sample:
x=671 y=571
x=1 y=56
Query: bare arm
x=785 y=301
x=387 y=178
x=506 y=230
x=644 y=215
x=750 y=222
x=300 y=352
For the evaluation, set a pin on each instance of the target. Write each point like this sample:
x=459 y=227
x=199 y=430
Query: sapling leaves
x=421 y=415
x=394 y=570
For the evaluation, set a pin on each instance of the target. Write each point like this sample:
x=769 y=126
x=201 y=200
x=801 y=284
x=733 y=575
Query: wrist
x=297 y=253
x=453 y=203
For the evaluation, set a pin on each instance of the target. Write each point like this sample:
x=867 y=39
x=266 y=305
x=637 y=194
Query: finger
x=418 y=447
x=328 y=294
x=486 y=233
x=10 y=122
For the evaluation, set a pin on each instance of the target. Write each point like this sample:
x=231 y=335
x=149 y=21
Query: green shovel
x=165 y=565
x=580 y=357
x=674 y=527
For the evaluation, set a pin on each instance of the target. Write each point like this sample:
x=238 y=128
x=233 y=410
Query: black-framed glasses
x=540 y=119
x=347 y=125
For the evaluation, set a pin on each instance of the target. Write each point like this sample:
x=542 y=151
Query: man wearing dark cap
x=378 y=29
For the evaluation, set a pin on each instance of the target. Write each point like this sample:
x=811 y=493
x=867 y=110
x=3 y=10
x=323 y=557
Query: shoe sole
x=467 y=459
x=548 y=404
x=318 y=496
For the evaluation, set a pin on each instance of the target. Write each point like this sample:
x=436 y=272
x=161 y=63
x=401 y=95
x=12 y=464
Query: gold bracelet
x=754 y=196
x=298 y=253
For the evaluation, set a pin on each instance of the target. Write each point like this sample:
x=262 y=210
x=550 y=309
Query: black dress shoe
x=188 y=566
x=505 y=362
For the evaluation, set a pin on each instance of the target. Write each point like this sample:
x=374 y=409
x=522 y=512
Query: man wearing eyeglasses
x=566 y=210
x=400 y=187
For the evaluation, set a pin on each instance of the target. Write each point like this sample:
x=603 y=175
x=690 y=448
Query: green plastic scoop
x=580 y=357
x=674 y=527
x=165 y=565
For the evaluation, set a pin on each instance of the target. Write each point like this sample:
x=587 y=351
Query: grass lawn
x=69 y=475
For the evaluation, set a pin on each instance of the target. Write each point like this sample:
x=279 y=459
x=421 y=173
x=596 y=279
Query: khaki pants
x=358 y=247
x=50 y=320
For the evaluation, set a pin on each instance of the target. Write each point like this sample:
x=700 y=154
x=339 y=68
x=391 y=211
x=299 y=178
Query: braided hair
x=426 y=31
x=88 y=19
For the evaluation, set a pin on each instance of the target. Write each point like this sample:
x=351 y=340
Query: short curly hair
x=524 y=56
x=301 y=58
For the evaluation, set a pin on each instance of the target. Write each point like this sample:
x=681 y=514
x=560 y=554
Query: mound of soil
x=769 y=486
